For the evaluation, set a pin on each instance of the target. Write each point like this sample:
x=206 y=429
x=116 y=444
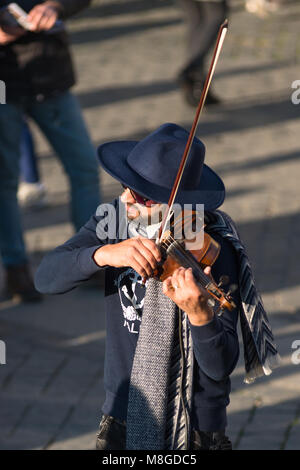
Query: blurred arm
x=67 y=8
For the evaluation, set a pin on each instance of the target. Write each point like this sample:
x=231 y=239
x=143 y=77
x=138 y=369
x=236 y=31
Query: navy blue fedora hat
x=150 y=166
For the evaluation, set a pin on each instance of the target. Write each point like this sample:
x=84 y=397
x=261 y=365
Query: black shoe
x=19 y=284
x=211 y=98
x=221 y=442
x=192 y=87
x=203 y=440
x=111 y=435
x=186 y=85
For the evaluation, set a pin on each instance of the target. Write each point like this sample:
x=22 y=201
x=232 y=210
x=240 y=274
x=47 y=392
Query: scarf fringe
x=256 y=331
x=265 y=369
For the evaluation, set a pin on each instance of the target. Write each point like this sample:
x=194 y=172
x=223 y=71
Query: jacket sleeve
x=216 y=345
x=68 y=8
x=72 y=263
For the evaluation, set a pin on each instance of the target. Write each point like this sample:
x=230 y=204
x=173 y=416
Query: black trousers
x=112 y=436
x=203 y=20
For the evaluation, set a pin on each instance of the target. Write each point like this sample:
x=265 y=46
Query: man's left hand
x=183 y=289
x=42 y=17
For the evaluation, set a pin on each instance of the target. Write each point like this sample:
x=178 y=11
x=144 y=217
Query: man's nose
x=126 y=196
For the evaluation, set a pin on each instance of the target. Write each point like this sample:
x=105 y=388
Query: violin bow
x=218 y=47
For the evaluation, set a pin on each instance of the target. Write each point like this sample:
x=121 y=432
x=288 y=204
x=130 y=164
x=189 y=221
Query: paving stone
x=267 y=430
x=293 y=440
x=56 y=403
x=80 y=431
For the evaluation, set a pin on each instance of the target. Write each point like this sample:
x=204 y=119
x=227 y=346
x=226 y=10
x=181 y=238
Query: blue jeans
x=61 y=121
x=28 y=163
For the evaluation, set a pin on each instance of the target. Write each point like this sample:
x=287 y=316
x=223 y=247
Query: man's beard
x=147 y=223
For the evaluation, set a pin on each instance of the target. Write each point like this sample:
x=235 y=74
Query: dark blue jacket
x=215 y=344
x=39 y=65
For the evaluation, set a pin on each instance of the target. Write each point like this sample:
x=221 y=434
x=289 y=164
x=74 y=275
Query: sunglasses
x=140 y=199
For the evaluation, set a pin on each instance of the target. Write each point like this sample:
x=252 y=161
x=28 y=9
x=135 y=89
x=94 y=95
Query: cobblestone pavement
x=128 y=54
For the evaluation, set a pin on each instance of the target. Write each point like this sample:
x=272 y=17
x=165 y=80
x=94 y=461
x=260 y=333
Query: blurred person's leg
x=203 y=20
x=61 y=120
x=12 y=248
x=32 y=192
x=28 y=163
x=11 y=238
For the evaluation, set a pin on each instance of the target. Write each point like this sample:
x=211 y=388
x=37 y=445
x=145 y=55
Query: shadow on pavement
x=255 y=429
x=110 y=32
x=125 y=8
x=256 y=164
x=111 y=95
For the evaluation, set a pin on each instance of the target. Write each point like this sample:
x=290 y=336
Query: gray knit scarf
x=161 y=379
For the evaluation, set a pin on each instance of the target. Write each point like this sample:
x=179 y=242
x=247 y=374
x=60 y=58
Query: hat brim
x=113 y=158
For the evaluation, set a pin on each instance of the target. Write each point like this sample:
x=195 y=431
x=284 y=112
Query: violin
x=175 y=255
x=173 y=249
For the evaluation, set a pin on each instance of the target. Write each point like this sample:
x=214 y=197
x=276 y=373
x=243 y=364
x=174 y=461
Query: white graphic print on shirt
x=132 y=293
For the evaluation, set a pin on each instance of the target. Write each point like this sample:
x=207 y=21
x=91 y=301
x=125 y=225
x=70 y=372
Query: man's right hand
x=141 y=254
x=10 y=33
x=42 y=17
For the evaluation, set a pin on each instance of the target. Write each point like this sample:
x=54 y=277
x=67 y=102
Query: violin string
x=186 y=220
x=204 y=279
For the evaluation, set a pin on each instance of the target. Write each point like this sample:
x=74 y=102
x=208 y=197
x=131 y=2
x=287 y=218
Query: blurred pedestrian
x=37 y=69
x=32 y=192
x=262 y=8
x=203 y=18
